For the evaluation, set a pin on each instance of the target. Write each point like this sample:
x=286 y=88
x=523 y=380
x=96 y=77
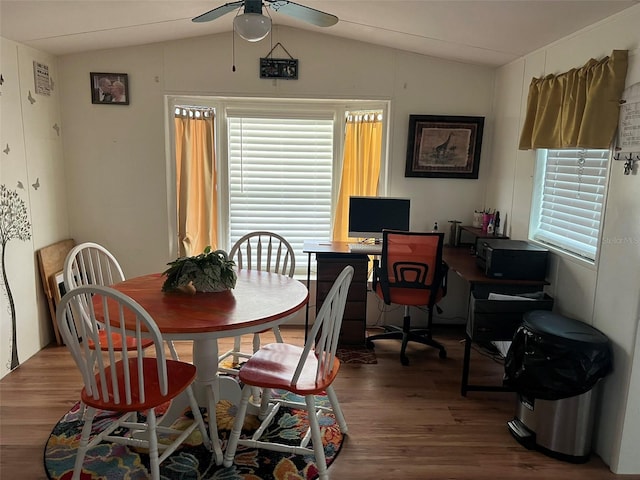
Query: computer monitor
x=368 y=216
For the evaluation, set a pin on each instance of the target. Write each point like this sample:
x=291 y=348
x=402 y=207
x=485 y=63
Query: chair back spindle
x=322 y=342
x=91 y=264
x=118 y=374
x=264 y=251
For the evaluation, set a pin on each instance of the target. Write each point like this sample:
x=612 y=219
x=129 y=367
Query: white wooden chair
x=266 y=252
x=122 y=379
x=304 y=371
x=92 y=264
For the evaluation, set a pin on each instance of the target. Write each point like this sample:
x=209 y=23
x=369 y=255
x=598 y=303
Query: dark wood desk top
x=463 y=263
x=460 y=260
x=328 y=246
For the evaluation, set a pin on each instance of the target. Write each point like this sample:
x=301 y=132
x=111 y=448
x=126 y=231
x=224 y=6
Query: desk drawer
x=355 y=313
x=496 y=320
x=331 y=265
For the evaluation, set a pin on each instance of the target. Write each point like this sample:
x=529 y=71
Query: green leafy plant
x=211 y=271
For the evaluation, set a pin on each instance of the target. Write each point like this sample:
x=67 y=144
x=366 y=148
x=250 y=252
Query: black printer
x=511 y=259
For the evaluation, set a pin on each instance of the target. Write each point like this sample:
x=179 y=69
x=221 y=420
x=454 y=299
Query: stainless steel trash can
x=555 y=364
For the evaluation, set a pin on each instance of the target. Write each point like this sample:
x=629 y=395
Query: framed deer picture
x=444 y=146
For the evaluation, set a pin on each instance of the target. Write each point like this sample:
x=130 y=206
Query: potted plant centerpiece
x=211 y=271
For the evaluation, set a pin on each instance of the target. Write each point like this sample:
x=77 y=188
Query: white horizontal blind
x=568 y=212
x=280 y=178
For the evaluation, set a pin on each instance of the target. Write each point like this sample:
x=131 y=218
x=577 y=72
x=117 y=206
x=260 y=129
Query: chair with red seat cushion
x=411 y=273
x=92 y=264
x=122 y=379
x=266 y=252
x=305 y=371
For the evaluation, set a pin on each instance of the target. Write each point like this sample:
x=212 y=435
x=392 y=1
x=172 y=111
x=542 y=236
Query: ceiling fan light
x=253 y=27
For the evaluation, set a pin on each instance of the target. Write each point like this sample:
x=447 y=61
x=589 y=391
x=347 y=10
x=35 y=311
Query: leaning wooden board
x=51 y=262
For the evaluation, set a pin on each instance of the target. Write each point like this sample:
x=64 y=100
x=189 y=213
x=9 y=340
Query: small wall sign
x=41 y=78
x=285 y=68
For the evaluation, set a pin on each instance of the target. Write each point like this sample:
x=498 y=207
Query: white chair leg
x=232 y=445
x=197 y=415
x=213 y=425
x=316 y=438
x=236 y=348
x=264 y=403
x=276 y=333
x=154 y=465
x=337 y=411
x=255 y=391
x=84 y=441
x=172 y=349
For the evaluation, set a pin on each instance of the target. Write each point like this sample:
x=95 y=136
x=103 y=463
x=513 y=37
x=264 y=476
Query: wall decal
x=7 y=150
x=13 y=224
x=37 y=184
x=56 y=127
x=31 y=99
x=20 y=185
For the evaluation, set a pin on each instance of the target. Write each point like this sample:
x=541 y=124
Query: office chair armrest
x=444 y=272
x=380 y=276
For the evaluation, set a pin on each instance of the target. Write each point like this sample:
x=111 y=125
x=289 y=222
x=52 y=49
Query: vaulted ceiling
x=489 y=32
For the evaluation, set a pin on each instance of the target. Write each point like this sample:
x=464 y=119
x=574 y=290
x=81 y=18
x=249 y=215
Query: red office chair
x=411 y=273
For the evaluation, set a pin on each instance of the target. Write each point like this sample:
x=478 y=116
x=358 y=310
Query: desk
x=463 y=263
x=331 y=258
x=259 y=301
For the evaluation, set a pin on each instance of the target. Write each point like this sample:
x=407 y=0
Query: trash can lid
x=543 y=322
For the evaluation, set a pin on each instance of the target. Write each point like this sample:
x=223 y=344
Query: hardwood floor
x=405 y=423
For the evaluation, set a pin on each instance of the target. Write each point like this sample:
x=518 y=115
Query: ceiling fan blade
x=307 y=14
x=217 y=12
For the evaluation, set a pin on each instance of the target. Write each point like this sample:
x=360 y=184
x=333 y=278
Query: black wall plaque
x=286 y=68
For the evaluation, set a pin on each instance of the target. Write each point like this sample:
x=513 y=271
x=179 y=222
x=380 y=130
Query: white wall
x=608 y=296
x=34 y=156
x=115 y=155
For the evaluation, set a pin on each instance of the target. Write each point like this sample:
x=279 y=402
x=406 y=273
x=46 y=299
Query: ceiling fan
x=253 y=26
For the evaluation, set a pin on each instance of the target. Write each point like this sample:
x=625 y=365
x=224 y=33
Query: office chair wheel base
x=442 y=354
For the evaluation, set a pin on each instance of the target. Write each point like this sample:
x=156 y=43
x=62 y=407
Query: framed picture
x=444 y=146
x=109 y=88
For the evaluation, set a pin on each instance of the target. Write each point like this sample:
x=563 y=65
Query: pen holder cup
x=486 y=220
x=477 y=219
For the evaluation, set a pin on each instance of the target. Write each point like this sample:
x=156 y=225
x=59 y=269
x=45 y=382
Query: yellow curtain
x=196 y=181
x=578 y=108
x=361 y=166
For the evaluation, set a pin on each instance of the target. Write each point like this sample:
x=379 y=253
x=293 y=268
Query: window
x=281 y=177
x=568 y=201
x=277 y=166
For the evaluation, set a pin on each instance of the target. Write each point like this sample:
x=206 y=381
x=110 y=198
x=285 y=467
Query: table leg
x=465 y=365
x=210 y=388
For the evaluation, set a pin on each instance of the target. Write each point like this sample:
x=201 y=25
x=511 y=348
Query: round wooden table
x=259 y=301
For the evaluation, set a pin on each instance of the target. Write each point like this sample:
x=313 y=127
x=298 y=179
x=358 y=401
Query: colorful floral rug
x=192 y=461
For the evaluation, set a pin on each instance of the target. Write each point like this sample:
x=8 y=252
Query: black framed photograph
x=109 y=88
x=444 y=146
